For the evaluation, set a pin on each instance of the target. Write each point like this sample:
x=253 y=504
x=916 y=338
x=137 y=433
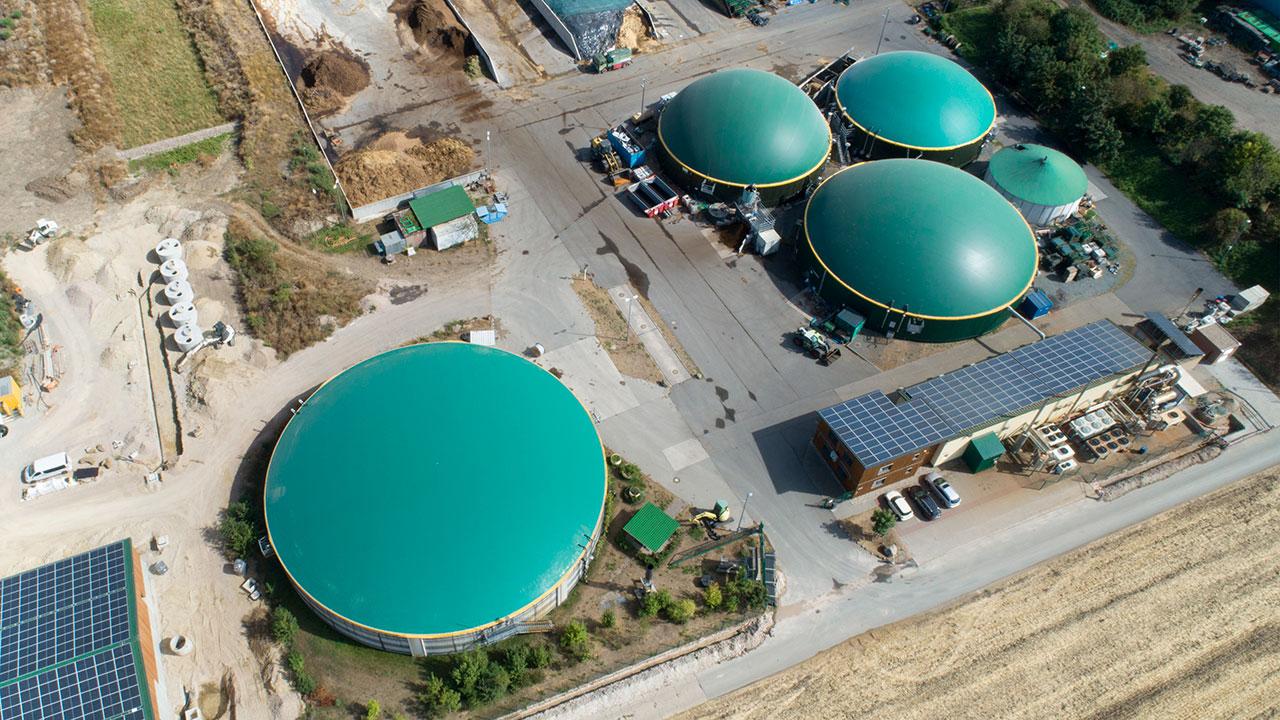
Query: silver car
x=942 y=490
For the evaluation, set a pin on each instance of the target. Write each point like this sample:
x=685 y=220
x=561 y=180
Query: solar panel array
x=67 y=640
x=876 y=429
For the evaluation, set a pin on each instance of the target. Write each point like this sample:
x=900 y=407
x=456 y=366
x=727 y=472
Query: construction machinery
x=41 y=233
x=843 y=326
x=221 y=334
x=816 y=345
x=716 y=515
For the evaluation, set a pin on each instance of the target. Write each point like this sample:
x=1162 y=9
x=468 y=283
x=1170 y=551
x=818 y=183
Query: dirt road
x=1172 y=618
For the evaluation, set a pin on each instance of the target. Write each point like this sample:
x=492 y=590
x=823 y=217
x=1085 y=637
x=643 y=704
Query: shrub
x=882 y=521
x=608 y=619
x=304 y=683
x=494 y=682
x=467 y=673
x=749 y=594
x=472 y=67
x=437 y=698
x=237 y=529
x=516 y=660
x=284 y=626
x=650 y=605
x=680 y=611
x=575 y=641
x=372 y=711
x=713 y=597
x=294 y=661
x=539 y=656
x=4 y=35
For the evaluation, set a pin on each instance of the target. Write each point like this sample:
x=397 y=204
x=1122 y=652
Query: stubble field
x=1178 y=617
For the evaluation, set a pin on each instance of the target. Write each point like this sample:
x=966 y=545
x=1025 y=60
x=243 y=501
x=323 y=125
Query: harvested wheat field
x=1178 y=617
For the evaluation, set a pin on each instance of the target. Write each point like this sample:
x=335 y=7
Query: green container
x=983 y=452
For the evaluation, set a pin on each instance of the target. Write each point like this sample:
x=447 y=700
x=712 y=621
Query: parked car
x=924 y=502
x=947 y=495
x=898 y=505
x=46 y=468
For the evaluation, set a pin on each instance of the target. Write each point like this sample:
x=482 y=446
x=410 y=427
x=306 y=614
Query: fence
x=375 y=210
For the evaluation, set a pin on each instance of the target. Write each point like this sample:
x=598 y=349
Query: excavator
x=709 y=519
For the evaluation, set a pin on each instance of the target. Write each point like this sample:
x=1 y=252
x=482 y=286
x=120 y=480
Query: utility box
x=1217 y=344
x=983 y=451
x=1035 y=304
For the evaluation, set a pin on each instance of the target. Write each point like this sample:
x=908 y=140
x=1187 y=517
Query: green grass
x=177 y=157
x=338 y=239
x=1163 y=191
x=976 y=29
x=160 y=88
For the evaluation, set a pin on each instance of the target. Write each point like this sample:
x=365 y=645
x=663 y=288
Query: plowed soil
x=1173 y=618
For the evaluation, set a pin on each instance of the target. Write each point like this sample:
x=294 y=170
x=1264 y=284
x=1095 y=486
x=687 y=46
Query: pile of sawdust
x=331 y=76
x=371 y=175
x=635 y=32
x=435 y=27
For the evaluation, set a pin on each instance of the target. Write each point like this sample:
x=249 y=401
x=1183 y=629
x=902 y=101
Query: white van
x=46 y=468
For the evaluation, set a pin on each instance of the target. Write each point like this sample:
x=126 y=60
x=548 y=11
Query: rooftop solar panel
x=68 y=643
x=877 y=430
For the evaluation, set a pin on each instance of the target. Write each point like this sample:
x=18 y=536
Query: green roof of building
x=651 y=527
x=916 y=99
x=923 y=235
x=744 y=127
x=1038 y=174
x=435 y=488
x=442 y=206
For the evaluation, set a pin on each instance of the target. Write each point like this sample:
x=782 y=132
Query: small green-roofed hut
x=651 y=528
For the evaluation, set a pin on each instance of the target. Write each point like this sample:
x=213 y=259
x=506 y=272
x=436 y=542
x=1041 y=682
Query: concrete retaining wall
x=484 y=54
x=561 y=30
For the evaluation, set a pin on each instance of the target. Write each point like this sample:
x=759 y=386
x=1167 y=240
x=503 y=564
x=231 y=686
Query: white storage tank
x=182 y=313
x=173 y=269
x=178 y=292
x=169 y=249
x=1045 y=185
x=188 y=337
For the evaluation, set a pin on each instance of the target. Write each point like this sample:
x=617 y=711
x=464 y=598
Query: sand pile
x=435 y=27
x=331 y=76
x=374 y=174
x=635 y=32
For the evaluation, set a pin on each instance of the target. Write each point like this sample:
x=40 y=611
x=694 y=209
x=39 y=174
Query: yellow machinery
x=719 y=514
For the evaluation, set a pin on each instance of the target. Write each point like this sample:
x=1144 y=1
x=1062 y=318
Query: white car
x=942 y=490
x=898 y=505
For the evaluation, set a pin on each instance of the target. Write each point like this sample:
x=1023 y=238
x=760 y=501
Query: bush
x=4 y=34
x=304 y=683
x=284 y=626
x=747 y=594
x=680 y=611
x=437 y=698
x=237 y=529
x=516 y=660
x=494 y=682
x=608 y=618
x=575 y=641
x=882 y=521
x=713 y=597
x=472 y=67
x=372 y=711
x=539 y=656
x=650 y=605
x=468 y=671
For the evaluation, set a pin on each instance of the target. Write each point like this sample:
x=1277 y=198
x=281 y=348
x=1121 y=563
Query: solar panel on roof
x=876 y=430
x=67 y=640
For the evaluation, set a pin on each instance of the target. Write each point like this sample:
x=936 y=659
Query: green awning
x=651 y=527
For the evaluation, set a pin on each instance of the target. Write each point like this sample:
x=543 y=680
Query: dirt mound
x=329 y=77
x=371 y=175
x=635 y=32
x=51 y=188
x=434 y=26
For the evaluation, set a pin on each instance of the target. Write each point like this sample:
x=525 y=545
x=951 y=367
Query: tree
x=516 y=660
x=284 y=626
x=539 y=656
x=236 y=529
x=1180 y=97
x=680 y=611
x=1077 y=36
x=713 y=597
x=575 y=641
x=1228 y=225
x=1249 y=169
x=1155 y=117
x=467 y=673
x=882 y=521
x=437 y=698
x=1125 y=60
x=494 y=682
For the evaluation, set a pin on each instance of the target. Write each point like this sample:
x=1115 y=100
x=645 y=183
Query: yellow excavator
x=710 y=518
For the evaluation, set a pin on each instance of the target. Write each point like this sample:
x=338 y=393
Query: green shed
x=651 y=528
x=983 y=452
x=441 y=206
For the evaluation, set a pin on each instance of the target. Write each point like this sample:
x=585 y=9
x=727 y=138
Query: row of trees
x=1143 y=12
x=1100 y=102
